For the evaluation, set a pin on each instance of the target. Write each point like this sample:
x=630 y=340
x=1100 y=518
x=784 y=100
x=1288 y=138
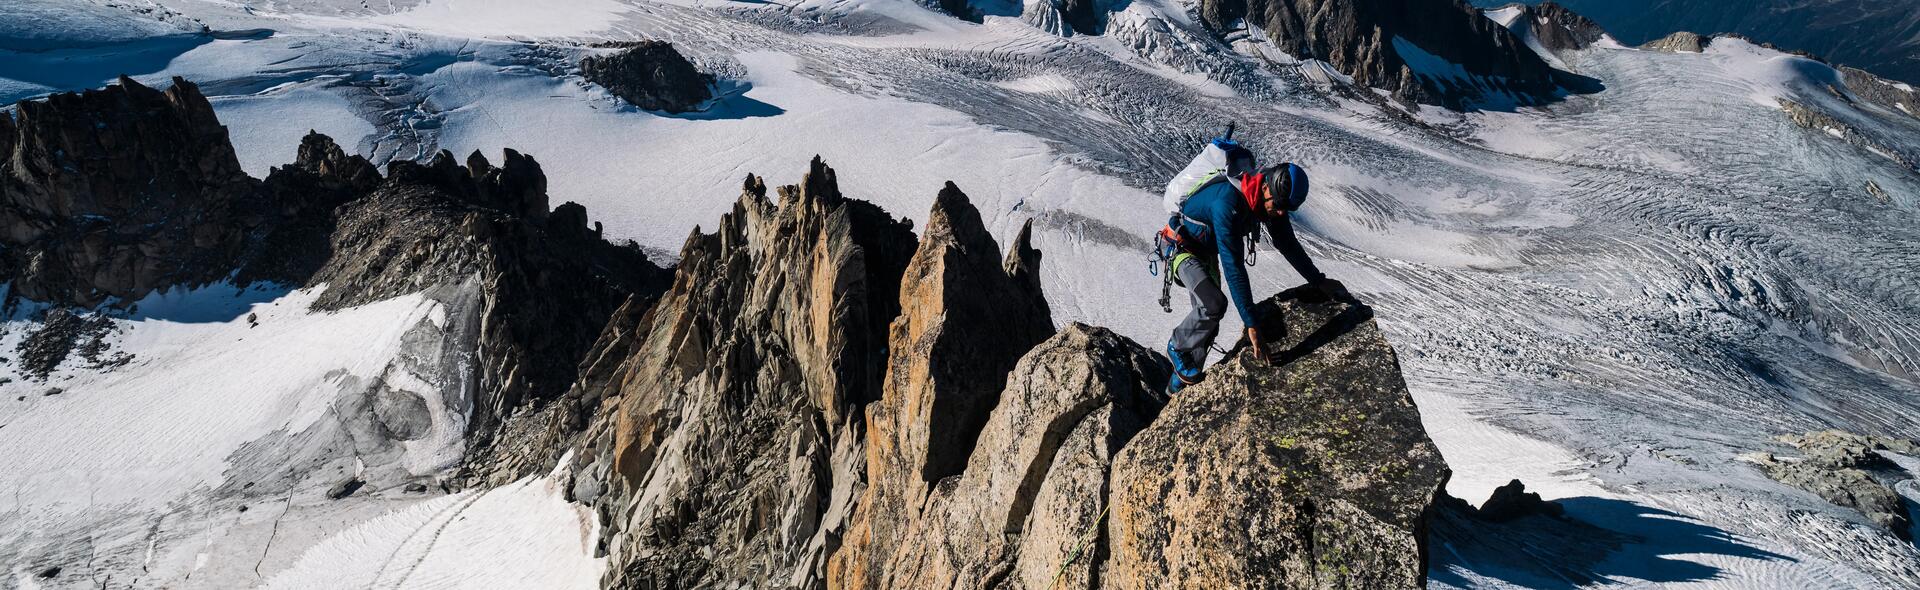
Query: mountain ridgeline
x=816 y=397
x=1436 y=52
x=113 y=195
x=1393 y=45
x=1882 y=37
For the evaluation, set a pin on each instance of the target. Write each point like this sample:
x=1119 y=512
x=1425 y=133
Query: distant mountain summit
x=1878 y=36
x=1430 y=51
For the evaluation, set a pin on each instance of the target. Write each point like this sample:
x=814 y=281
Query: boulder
x=1309 y=471
x=650 y=75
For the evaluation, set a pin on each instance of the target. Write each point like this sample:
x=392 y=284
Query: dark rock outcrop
x=1560 y=29
x=1892 y=96
x=62 y=333
x=1311 y=471
x=1679 y=42
x=1083 y=15
x=115 y=193
x=1387 y=43
x=1555 y=27
x=546 y=283
x=1848 y=470
x=1513 y=501
x=650 y=75
x=124 y=191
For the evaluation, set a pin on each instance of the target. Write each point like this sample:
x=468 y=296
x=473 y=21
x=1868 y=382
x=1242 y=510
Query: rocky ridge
x=529 y=289
x=1679 y=42
x=1555 y=27
x=825 y=400
x=1370 y=41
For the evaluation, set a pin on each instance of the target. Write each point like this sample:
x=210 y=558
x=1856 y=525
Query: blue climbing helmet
x=1289 y=181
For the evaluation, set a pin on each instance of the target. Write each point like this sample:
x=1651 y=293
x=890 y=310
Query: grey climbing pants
x=1195 y=334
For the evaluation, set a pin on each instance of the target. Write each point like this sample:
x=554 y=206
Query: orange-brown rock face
x=964 y=321
x=726 y=448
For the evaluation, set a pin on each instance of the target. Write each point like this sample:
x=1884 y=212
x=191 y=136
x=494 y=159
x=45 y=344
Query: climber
x=1210 y=239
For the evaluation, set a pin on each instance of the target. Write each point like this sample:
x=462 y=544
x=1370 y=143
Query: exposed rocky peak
x=1556 y=27
x=114 y=193
x=1311 y=471
x=517 y=186
x=964 y=322
x=651 y=75
x=1389 y=44
x=733 y=416
x=322 y=158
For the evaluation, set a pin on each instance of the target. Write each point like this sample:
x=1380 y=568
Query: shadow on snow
x=1599 y=540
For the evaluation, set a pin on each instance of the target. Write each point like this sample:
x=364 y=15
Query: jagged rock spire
x=964 y=323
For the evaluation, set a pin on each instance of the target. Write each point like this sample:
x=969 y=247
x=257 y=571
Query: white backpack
x=1221 y=160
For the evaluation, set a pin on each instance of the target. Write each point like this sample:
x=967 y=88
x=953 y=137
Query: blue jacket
x=1220 y=205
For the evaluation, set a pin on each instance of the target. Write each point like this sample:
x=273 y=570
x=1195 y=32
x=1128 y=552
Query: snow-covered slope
x=1611 y=297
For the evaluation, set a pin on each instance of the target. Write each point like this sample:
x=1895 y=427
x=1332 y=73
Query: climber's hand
x=1259 y=346
x=1336 y=291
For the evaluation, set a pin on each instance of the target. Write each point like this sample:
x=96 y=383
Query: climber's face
x=1272 y=205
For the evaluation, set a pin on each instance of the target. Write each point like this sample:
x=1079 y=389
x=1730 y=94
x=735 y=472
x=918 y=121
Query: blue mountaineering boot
x=1185 y=371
